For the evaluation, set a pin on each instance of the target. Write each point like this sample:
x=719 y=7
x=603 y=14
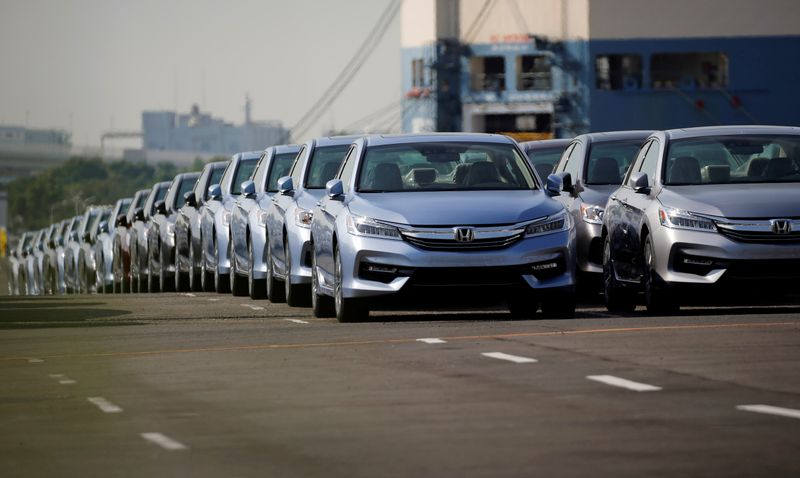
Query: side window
x=637 y=162
x=650 y=162
x=575 y=162
x=562 y=163
x=260 y=172
x=346 y=173
x=297 y=169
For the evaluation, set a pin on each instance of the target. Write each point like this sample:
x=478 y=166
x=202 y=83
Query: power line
x=476 y=25
x=375 y=116
x=349 y=71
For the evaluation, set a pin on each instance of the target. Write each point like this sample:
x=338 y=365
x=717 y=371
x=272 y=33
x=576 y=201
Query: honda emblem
x=781 y=226
x=464 y=234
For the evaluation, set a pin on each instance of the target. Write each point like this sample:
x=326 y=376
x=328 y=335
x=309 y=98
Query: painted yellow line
x=656 y=328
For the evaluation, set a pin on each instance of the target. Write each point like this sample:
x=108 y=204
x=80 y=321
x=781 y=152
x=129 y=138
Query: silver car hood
x=776 y=200
x=442 y=208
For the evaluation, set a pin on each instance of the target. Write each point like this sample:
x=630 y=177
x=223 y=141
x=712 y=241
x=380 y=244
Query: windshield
x=733 y=159
x=246 y=168
x=325 y=162
x=545 y=160
x=441 y=166
x=608 y=162
x=281 y=165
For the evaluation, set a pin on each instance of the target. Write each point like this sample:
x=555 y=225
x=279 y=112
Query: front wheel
x=163 y=279
x=297 y=295
x=256 y=288
x=559 y=305
x=347 y=309
x=221 y=281
x=618 y=298
x=523 y=306
x=275 y=290
x=658 y=294
x=321 y=305
x=238 y=283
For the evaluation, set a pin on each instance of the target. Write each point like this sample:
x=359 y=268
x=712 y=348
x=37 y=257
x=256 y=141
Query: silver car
x=70 y=257
x=104 y=247
x=591 y=168
x=288 y=253
x=54 y=259
x=248 y=221
x=704 y=210
x=188 y=254
x=18 y=284
x=35 y=265
x=457 y=217
x=215 y=220
x=140 y=273
x=74 y=258
x=122 y=242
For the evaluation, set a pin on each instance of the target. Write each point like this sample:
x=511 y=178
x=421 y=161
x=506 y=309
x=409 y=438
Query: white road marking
x=213 y=300
x=254 y=307
x=296 y=321
x=432 y=341
x=189 y=294
x=510 y=358
x=164 y=441
x=68 y=381
x=35 y=360
x=62 y=379
x=623 y=383
x=56 y=375
x=104 y=405
x=770 y=410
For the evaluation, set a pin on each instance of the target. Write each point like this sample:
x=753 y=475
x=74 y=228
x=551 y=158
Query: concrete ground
x=208 y=385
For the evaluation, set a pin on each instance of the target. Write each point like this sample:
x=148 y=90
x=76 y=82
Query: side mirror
x=639 y=183
x=122 y=220
x=554 y=185
x=285 y=185
x=214 y=192
x=161 y=208
x=566 y=182
x=104 y=227
x=26 y=252
x=138 y=214
x=334 y=189
x=190 y=199
x=248 y=189
x=86 y=236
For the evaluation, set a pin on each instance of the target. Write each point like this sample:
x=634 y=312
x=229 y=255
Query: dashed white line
x=296 y=321
x=623 y=383
x=163 y=441
x=62 y=379
x=214 y=300
x=510 y=358
x=68 y=381
x=254 y=307
x=35 y=360
x=432 y=341
x=770 y=410
x=189 y=294
x=104 y=405
x=56 y=375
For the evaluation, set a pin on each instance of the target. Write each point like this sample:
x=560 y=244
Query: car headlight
x=262 y=218
x=678 y=219
x=364 y=226
x=591 y=213
x=303 y=218
x=226 y=218
x=561 y=221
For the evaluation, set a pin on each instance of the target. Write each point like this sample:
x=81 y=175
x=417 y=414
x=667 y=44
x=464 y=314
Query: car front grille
x=464 y=238
x=768 y=231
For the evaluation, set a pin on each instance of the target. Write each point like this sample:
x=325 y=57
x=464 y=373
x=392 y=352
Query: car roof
x=248 y=155
x=286 y=148
x=379 y=140
x=334 y=140
x=607 y=136
x=730 y=130
x=545 y=144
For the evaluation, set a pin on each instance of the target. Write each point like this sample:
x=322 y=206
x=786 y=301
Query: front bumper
x=373 y=267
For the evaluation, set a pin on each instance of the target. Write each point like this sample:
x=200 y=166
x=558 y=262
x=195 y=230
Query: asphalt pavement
x=219 y=386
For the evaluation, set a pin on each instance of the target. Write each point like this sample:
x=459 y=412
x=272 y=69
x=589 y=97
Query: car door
x=283 y=201
x=329 y=210
x=572 y=162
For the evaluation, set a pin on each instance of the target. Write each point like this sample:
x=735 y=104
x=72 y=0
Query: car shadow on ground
x=39 y=313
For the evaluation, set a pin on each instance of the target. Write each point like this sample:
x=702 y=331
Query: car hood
x=308 y=198
x=442 y=208
x=736 y=200
x=597 y=195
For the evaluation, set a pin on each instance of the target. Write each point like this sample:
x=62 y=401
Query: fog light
x=697 y=262
x=545 y=266
x=381 y=269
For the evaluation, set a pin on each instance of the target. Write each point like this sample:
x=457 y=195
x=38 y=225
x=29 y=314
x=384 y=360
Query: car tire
x=238 y=283
x=256 y=288
x=221 y=281
x=152 y=284
x=321 y=305
x=347 y=309
x=181 y=278
x=165 y=284
x=275 y=289
x=523 y=306
x=658 y=295
x=617 y=297
x=297 y=295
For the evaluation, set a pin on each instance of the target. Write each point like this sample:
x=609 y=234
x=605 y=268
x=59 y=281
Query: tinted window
x=281 y=165
x=243 y=173
x=325 y=162
x=608 y=162
x=443 y=166
x=185 y=186
x=347 y=168
x=298 y=167
x=574 y=162
x=545 y=160
x=650 y=162
x=216 y=177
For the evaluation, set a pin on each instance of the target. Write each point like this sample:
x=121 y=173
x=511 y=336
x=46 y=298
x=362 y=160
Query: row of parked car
x=348 y=224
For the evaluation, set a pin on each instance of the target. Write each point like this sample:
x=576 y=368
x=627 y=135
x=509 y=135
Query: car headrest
x=605 y=171
x=778 y=168
x=483 y=172
x=386 y=176
x=716 y=173
x=685 y=169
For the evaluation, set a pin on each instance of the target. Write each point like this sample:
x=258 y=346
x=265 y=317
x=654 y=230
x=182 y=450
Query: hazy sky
x=101 y=62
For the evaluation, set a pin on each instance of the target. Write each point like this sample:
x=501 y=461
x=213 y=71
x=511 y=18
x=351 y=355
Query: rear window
x=608 y=162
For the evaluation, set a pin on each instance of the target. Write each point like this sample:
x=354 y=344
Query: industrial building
x=557 y=68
